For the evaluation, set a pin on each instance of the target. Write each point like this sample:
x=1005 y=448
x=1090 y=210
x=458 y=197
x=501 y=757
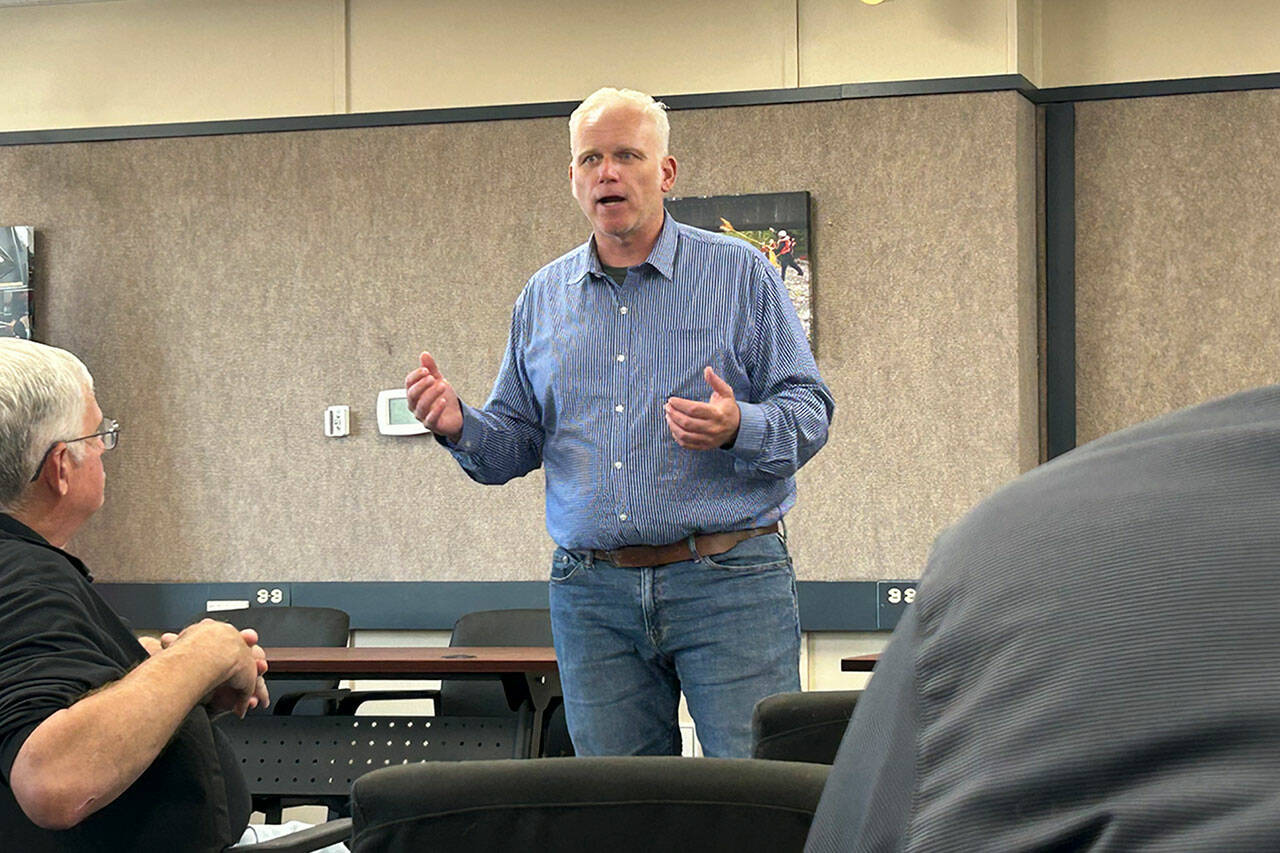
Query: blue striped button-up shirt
x=590 y=364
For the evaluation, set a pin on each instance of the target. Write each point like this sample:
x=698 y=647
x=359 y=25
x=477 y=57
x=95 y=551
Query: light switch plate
x=337 y=421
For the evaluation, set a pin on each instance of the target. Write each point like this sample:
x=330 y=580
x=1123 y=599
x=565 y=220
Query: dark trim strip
x=288 y=123
x=549 y=109
x=1060 y=277
x=1158 y=88
x=749 y=97
x=940 y=86
x=435 y=605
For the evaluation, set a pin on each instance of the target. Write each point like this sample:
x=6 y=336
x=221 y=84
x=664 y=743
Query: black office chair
x=620 y=804
x=294 y=626
x=616 y=804
x=488 y=698
x=802 y=726
x=623 y=805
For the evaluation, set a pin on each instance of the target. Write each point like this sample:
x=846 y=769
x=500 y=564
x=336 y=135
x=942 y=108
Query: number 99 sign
x=892 y=598
x=900 y=595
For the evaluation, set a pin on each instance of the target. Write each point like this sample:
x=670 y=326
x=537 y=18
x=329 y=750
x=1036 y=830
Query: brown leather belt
x=706 y=545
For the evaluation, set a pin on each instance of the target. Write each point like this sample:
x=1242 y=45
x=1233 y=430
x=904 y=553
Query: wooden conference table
x=528 y=673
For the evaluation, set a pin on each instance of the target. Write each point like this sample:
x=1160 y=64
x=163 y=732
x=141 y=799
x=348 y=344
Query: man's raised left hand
x=705 y=426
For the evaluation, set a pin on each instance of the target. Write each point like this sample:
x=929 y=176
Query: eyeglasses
x=108 y=431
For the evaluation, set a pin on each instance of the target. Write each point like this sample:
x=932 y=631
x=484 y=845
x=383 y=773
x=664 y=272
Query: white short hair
x=602 y=99
x=43 y=393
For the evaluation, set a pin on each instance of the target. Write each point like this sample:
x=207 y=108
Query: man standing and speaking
x=660 y=374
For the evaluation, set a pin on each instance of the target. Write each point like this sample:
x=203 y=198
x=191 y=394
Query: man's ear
x=57 y=470
x=668 y=173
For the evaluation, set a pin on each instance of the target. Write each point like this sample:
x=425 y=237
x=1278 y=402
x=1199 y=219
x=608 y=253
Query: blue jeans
x=725 y=629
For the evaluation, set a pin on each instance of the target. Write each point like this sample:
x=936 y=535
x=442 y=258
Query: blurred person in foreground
x=1090 y=661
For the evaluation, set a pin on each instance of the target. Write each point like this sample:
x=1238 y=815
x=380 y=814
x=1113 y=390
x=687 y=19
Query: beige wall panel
x=407 y=54
x=1029 y=282
x=847 y=42
x=1028 y=48
x=917 y=297
x=1110 y=41
x=224 y=290
x=154 y=61
x=1176 y=261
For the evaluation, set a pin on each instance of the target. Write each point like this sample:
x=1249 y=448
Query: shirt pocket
x=682 y=355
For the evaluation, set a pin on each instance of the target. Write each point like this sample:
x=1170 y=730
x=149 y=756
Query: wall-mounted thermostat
x=394 y=417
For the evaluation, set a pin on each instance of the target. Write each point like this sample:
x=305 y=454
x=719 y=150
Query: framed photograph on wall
x=776 y=224
x=17 y=243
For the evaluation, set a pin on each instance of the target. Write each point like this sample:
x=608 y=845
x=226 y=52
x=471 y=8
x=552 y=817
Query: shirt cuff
x=751 y=430
x=471 y=437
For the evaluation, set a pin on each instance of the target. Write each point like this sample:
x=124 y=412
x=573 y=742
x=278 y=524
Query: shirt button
x=622 y=310
x=622 y=516
x=621 y=357
x=617 y=465
x=617 y=408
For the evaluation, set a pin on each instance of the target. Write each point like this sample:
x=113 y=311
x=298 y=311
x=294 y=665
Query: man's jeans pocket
x=564 y=565
x=757 y=554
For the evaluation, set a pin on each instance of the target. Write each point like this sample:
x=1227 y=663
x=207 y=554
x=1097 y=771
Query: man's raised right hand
x=433 y=401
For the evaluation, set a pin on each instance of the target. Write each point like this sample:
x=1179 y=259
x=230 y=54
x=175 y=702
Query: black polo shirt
x=58 y=641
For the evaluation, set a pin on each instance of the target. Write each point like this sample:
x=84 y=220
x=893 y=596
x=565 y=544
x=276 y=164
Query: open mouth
x=610 y=200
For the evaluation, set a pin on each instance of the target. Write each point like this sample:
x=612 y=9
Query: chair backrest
x=632 y=804
x=292 y=626
x=515 y=627
x=491 y=628
x=802 y=726
x=289 y=626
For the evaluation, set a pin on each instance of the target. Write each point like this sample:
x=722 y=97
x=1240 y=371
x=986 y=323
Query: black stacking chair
x=524 y=627
x=487 y=698
x=294 y=626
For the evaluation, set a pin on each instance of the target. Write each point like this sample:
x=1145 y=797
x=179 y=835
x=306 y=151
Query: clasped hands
x=237 y=651
x=694 y=425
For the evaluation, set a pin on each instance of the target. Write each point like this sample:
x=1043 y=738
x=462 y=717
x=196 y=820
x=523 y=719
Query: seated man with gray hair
x=104 y=744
